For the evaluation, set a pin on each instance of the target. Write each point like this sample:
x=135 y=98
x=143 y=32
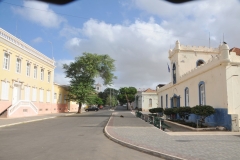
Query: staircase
x=4 y=111
x=20 y=103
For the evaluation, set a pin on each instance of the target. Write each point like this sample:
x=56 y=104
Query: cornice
x=17 y=42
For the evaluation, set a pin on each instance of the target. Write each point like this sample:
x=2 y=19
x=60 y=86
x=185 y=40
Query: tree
x=127 y=95
x=111 y=101
x=184 y=111
x=203 y=111
x=103 y=95
x=82 y=73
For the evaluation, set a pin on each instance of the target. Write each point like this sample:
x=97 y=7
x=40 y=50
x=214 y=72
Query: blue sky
x=136 y=33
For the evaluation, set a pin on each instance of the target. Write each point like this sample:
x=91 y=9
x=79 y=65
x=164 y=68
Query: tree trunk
x=79 y=107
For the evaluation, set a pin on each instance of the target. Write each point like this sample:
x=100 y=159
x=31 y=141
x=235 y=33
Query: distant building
x=98 y=87
x=205 y=76
x=146 y=99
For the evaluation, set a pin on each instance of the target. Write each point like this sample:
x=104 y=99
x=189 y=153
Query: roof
x=234 y=49
x=149 y=91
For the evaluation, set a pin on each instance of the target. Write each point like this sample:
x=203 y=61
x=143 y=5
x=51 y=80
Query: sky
x=137 y=34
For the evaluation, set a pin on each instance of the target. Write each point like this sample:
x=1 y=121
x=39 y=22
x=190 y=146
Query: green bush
x=184 y=111
x=156 y=110
x=203 y=111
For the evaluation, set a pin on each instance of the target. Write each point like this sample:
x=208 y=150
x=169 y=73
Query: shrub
x=203 y=111
x=184 y=111
x=156 y=110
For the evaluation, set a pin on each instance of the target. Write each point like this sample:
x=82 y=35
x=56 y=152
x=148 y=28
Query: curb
x=12 y=124
x=141 y=149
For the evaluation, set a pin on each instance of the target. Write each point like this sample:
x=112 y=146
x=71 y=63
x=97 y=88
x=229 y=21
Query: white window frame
x=60 y=98
x=6 y=61
x=18 y=65
x=34 y=94
x=202 y=95
x=48 y=96
x=42 y=74
x=49 y=76
x=28 y=69
x=5 y=90
x=27 y=93
x=41 y=95
x=35 y=72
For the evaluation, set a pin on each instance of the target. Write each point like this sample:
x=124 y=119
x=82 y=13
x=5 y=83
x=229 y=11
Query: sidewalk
x=4 y=122
x=137 y=134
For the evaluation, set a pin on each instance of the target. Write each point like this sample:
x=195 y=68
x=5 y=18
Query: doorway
x=16 y=93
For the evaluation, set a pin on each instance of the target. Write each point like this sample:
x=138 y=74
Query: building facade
x=27 y=80
x=204 y=76
x=146 y=99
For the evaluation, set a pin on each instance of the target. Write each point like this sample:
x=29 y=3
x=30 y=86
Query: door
x=16 y=94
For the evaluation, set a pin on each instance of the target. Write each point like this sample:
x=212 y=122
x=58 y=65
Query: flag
x=168 y=68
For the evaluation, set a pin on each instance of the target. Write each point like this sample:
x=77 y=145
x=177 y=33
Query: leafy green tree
x=203 y=111
x=82 y=73
x=111 y=101
x=127 y=95
x=103 y=95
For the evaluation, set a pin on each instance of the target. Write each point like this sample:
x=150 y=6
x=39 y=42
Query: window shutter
x=5 y=90
x=172 y=102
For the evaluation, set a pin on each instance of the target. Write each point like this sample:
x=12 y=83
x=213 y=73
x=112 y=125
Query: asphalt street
x=75 y=137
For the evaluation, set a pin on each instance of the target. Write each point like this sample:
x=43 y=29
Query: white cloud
x=37 y=40
x=140 y=50
x=39 y=13
x=59 y=75
x=193 y=21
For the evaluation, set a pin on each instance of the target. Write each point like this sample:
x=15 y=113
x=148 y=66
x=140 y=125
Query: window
x=34 y=94
x=35 y=72
x=6 y=61
x=5 y=90
x=161 y=102
x=49 y=76
x=166 y=101
x=60 y=98
x=175 y=101
x=41 y=95
x=150 y=102
x=199 y=62
x=201 y=86
x=55 y=97
x=27 y=93
x=174 y=73
x=65 y=99
x=42 y=74
x=187 y=97
x=28 y=69
x=48 y=96
x=18 y=65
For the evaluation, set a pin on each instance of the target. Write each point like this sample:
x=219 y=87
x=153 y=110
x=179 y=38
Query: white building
x=146 y=99
x=205 y=76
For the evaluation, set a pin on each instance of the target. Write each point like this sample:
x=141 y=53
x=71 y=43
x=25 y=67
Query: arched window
x=199 y=62
x=18 y=65
x=150 y=102
x=174 y=73
x=35 y=72
x=28 y=69
x=186 y=96
x=6 y=61
x=166 y=101
x=201 y=87
x=42 y=74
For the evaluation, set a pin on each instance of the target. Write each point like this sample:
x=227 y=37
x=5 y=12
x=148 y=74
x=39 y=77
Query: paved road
x=73 y=137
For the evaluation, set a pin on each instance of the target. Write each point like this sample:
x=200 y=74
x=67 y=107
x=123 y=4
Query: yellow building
x=27 y=80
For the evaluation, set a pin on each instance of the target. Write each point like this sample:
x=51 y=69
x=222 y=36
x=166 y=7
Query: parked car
x=91 y=109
